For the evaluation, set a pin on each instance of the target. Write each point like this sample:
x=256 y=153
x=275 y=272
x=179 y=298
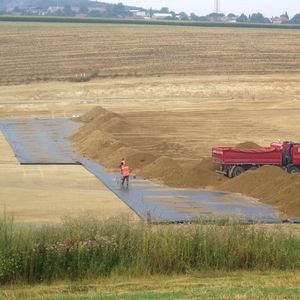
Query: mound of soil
x=208 y=164
x=180 y=174
x=140 y=159
x=271 y=185
x=97 y=145
x=115 y=125
x=92 y=114
x=248 y=145
x=169 y=148
x=164 y=168
x=98 y=139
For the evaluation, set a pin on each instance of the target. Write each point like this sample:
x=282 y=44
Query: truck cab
x=290 y=155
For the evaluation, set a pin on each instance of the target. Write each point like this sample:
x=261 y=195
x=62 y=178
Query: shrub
x=80 y=249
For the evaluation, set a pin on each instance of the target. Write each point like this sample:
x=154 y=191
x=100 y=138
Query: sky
x=203 y=7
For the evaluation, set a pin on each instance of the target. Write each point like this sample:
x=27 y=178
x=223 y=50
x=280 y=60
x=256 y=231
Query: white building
x=161 y=16
x=139 y=14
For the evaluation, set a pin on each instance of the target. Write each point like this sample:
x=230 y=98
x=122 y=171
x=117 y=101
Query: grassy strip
x=144 y=22
x=240 y=285
x=87 y=249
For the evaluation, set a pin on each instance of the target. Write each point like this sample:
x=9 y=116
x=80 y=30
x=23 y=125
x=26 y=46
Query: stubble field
x=32 y=52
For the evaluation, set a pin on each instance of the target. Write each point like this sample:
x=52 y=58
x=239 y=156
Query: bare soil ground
x=192 y=87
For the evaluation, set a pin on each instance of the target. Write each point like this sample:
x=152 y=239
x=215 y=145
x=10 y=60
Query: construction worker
x=125 y=173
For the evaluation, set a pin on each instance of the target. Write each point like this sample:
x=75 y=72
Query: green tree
x=120 y=10
x=258 y=18
x=95 y=14
x=183 y=16
x=83 y=9
x=151 y=12
x=194 y=17
x=242 y=18
x=67 y=11
x=164 y=10
x=295 y=19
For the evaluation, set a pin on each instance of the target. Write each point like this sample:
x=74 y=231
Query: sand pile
x=101 y=119
x=92 y=114
x=169 y=148
x=271 y=185
x=97 y=145
x=95 y=140
x=208 y=164
x=180 y=174
x=248 y=145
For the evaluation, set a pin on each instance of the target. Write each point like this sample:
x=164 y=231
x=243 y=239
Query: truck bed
x=237 y=156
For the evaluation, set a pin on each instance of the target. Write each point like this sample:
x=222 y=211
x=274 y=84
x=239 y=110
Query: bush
x=81 y=249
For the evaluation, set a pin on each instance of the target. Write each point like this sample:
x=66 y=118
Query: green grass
x=143 y=22
x=238 y=285
x=238 y=293
x=89 y=249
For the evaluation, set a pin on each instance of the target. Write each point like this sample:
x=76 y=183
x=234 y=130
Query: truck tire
x=238 y=170
x=293 y=169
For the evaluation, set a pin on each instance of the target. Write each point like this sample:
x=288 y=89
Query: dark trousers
x=125 y=178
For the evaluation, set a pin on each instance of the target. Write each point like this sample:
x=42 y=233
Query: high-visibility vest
x=125 y=170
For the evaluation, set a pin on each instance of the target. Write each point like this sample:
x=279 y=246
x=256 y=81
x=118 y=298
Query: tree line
x=106 y=10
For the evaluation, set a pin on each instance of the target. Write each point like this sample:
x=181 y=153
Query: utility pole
x=217 y=6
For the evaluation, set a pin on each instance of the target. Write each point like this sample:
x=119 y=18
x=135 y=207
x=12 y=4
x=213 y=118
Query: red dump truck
x=234 y=161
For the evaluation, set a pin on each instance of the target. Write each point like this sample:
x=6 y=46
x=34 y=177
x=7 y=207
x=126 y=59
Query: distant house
x=99 y=9
x=54 y=9
x=139 y=14
x=276 y=20
x=36 y=11
x=161 y=16
x=283 y=19
x=75 y=9
x=231 y=18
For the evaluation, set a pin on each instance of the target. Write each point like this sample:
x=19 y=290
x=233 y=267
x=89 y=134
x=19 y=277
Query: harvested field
x=40 y=52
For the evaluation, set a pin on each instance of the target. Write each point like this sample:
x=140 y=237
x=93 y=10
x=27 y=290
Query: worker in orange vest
x=125 y=173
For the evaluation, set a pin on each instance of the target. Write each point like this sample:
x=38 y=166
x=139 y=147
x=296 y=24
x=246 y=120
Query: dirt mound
x=92 y=114
x=169 y=148
x=115 y=125
x=178 y=174
x=163 y=168
x=98 y=139
x=197 y=177
x=100 y=118
x=208 y=164
x=248 y=145
x=140 y=159
x=271 y=185
x=97 y=145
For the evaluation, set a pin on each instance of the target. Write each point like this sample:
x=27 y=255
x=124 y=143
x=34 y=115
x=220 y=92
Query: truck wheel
x=237 y=171
x=293 y=169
